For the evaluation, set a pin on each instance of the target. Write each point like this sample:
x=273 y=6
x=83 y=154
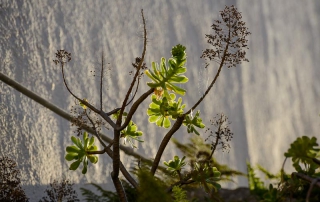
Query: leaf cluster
x=160 y=111
x=297 y=185
x=302 y=151
x=166 y=76
x=79 y=152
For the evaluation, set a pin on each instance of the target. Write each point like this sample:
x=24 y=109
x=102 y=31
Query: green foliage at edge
x=151 y=188
x=109 y=196
x=179 y=195
x=302 y=150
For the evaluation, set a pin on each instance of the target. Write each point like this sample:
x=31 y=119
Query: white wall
x=270 y=101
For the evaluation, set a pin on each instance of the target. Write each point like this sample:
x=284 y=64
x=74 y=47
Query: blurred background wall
x=270 y=101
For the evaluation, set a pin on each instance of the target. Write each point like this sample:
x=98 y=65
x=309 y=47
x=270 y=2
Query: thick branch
x=119 y=187
x=165 y=142
x=116 y=154
x=110 y=153
x=123 y=170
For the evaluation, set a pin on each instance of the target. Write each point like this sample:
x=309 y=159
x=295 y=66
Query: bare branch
x=96 y=152
x=95 y=130
x=227 y=47
x=306 y=178
x=316 y=161
x=135 y=107
x=103 y=114
x=113 y=111
x=138 y=69
x=101 y=77
x=137 y=87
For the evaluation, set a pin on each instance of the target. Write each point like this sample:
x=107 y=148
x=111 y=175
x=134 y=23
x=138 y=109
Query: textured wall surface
x=270 y=101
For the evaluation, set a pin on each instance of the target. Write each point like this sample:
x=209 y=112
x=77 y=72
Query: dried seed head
x=229 y=39
x=62 y=57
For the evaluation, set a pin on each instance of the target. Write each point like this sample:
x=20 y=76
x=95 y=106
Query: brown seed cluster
x=10 y=183
x=82 y=118
x=136 y=65
x=62 y=57
x=229 y=39
x=222 y=134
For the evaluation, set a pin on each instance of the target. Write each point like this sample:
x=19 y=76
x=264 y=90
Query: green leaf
x=166 y=123
x=93 y=159
x=85 y=166
x=75 y=165
x=175 y=165
x=71 y=156
x=153 y=119
x=206 y=175
x=73 y=149
x=179 y=79
x=77 y=142
x=91 y=142
x=160 y=122
x=192 y=122
x=92 y=148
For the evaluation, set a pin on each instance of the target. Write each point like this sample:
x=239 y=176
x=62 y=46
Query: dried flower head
x=62 y=57
x=229 y=39
x=136 y=66
x=85 y=117
x=222 y=134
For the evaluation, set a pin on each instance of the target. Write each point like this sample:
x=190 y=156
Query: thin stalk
x=138 y=69
x=101 y=77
